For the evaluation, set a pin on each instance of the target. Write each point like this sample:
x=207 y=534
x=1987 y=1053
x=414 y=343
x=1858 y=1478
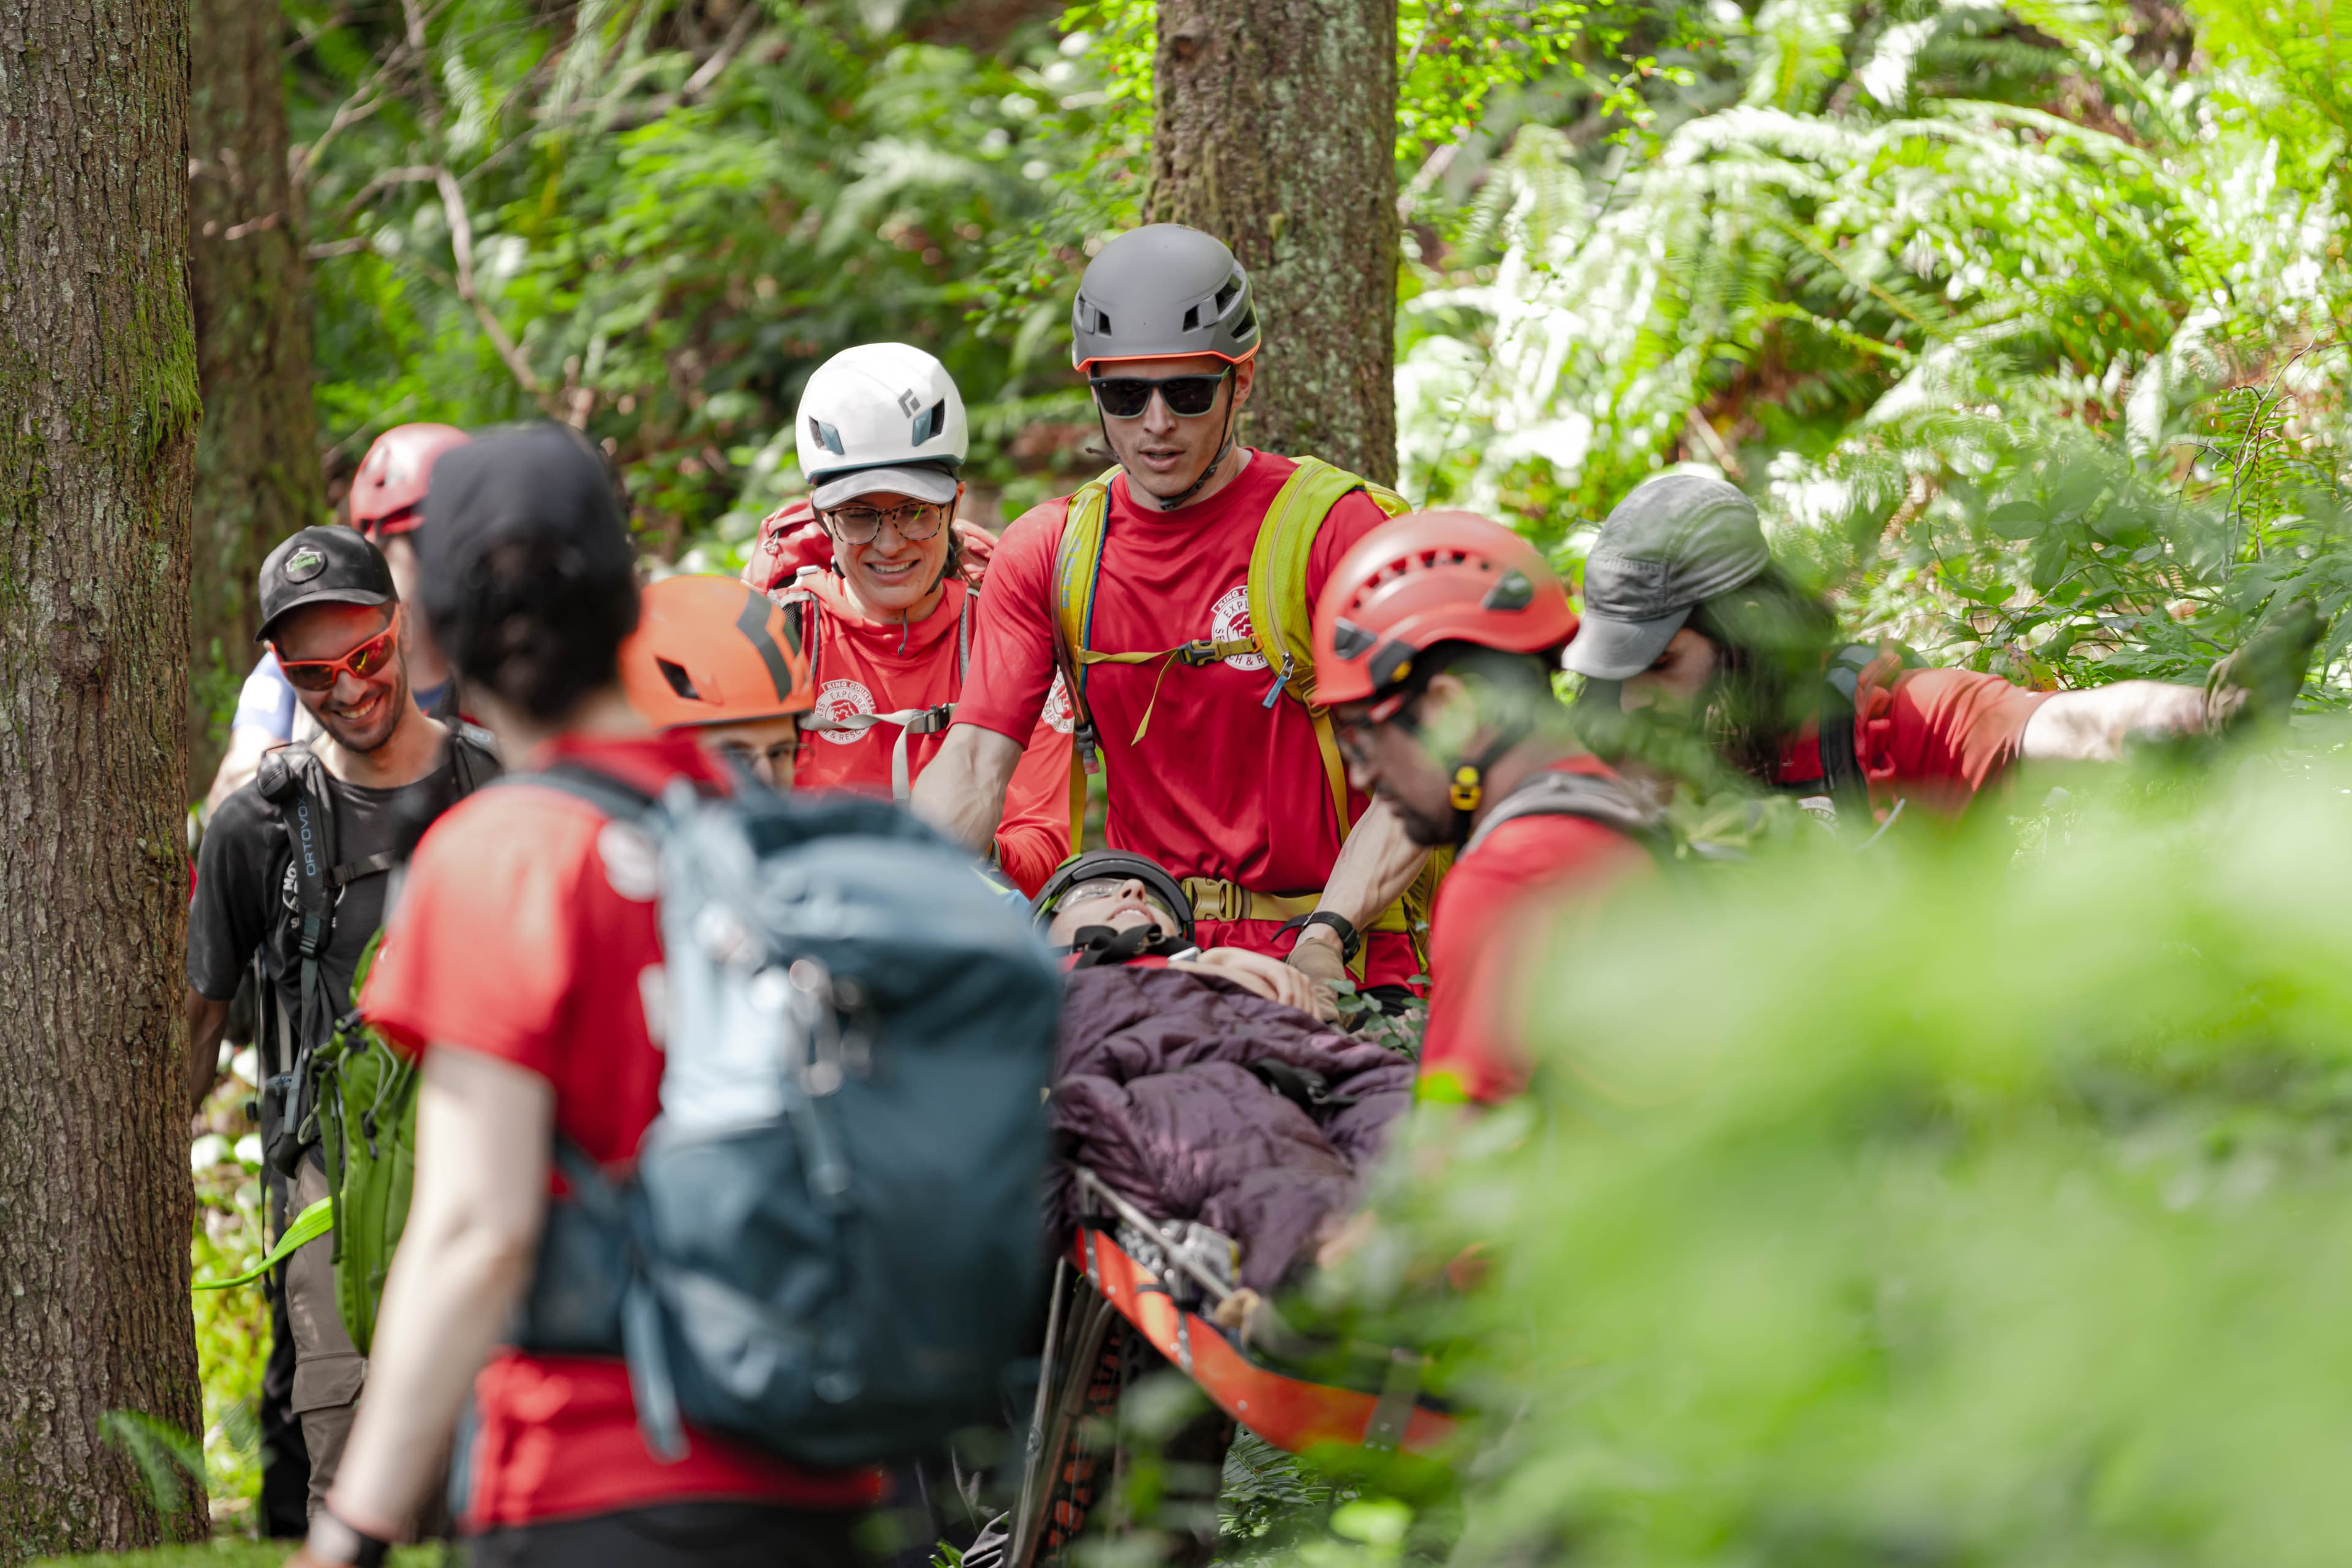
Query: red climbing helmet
x=388 y=492
x=709 y=651
x=1426 y=578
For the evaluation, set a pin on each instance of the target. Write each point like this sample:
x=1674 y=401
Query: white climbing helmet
x=881 y=416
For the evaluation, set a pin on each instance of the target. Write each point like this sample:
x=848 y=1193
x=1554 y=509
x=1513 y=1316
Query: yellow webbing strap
x=1078 y=560
x=309 y=1226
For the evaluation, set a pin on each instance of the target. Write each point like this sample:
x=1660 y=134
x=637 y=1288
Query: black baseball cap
x=540 y=482
x=1673 y=544
x=324 y=566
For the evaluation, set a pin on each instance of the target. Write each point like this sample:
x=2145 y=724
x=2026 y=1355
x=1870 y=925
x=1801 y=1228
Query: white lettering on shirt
x=836 y=702
x=1229 y=621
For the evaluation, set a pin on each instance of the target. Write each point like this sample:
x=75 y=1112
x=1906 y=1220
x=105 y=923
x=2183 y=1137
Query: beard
x=1429 y=832
x=386 y=704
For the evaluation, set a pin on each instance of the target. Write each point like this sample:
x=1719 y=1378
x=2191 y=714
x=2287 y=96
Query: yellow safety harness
x=1279 y=632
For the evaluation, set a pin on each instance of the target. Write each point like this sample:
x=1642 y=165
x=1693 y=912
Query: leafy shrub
x=1930 y=1205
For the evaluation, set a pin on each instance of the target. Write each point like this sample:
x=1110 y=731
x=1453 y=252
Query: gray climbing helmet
x=1163 y=290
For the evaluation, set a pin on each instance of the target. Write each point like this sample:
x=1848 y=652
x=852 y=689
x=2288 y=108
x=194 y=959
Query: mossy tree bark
x=1274 y=128
x=98 y=430
x=258 y=457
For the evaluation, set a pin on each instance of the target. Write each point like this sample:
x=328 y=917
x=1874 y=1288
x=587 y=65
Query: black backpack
x=294 y=784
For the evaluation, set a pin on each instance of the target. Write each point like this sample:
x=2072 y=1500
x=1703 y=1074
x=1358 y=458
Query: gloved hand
x=2261 y=679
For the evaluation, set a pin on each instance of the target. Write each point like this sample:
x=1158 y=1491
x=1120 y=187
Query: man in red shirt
x=1690 y=620
x=886 y=614
x=524 y=964
x=1433 y=642
x=1141 y=594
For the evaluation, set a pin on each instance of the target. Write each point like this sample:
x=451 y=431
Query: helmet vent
x=1192 y=319
x=1102 y=320
x=1350 y=640
x=826 y=437
x=680 y=681
x=1246 y=328
x=1224 y=299
x=931 y=422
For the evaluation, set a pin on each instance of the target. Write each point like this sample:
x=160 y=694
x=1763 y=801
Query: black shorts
x=680 y=1535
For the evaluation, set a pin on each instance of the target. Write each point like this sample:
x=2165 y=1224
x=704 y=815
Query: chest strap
x=910 y=722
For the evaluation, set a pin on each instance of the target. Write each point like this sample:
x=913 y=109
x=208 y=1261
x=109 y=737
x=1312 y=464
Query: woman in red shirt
x=888 y=618
x=523 y=963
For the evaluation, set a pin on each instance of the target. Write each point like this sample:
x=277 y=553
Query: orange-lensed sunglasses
x=364 y=661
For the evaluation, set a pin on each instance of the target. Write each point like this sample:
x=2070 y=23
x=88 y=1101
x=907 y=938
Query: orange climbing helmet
x=709 y=651
x=388 y=491
x=1426 y=578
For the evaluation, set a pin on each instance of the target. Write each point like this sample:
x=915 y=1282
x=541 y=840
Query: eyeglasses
x=777 y=756
x=1351 y=733
x=1109 y=888
x=1127 y=396
x=915 y=521
x=365 y=661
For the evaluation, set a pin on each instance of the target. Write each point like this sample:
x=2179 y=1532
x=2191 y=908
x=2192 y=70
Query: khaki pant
x=328 y=1370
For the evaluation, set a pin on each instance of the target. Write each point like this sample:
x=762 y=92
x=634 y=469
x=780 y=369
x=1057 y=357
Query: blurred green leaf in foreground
x=1935 y=1205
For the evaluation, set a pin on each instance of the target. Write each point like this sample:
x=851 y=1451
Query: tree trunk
x=98 y=430
x=1274 y=128
x=257 y=455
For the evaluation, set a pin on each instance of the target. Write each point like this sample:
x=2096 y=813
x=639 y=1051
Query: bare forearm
x=207 y=1022
x=962 y=793
x=1376 y=864
x=2093 y=726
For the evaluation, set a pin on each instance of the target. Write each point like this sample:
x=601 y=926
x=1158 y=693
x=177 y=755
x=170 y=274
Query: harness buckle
x=1089 y=749
x=1198 y=652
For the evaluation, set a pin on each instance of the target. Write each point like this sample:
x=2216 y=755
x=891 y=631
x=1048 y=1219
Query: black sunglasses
x=1127 y=396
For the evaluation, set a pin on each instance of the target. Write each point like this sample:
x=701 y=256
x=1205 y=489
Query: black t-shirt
x=245 y=886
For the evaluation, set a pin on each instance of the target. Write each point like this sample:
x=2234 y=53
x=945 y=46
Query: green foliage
x=653 y=219
x=1917 y=277
x=166 y=1459
x=231 y=1555
x=1973 y=1211
x=232 y=1326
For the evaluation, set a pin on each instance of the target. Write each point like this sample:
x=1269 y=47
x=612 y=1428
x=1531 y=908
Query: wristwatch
x=1351 y=940
x=332 y=1540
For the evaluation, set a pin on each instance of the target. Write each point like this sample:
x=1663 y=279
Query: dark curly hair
x=537 y=623
x=1770 y=639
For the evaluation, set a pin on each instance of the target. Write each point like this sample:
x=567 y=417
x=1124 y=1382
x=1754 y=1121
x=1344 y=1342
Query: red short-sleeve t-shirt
x=1224 y=783
x=526 y=932
x=1932 y=737
x=1492 y=912
x=883 y=666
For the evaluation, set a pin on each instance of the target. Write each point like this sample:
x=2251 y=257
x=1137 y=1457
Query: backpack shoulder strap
x=621 y=802
x=1279 y=612
x=293 y=781
x=1077 y=566
x=1279 y=561
x=1551 y=792
x=473 y=755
